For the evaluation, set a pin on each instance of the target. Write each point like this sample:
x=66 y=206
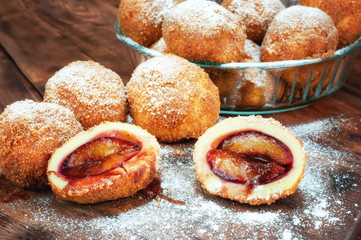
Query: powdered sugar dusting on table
x=211 y=217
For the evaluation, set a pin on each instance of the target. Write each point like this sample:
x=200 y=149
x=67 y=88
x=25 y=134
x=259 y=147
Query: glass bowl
x=320 y=78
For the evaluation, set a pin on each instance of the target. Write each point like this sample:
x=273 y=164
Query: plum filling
x=97 y=157
x=251 y=158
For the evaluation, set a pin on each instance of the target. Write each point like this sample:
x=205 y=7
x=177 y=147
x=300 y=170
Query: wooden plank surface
x=13 y=81
x=39 y=37
x=63 y=31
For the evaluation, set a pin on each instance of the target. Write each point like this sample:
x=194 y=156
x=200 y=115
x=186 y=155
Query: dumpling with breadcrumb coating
x=172 y=98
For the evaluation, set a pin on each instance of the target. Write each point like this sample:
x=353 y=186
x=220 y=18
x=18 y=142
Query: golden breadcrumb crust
x=243 y=88
x=256 y=15
x=141 y=20
x=346 y=15
x=172 y=98
x=29 y=132
x=300 y=32
x=94 y=93
x=204 y=31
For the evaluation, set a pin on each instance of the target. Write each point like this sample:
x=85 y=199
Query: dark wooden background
x=39 y=37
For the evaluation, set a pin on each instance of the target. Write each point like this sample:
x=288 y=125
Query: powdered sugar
x=259 y=10
x=252 y=51
x=93 y=92
x=192 y=12
x=302 y=27
x=316 y=211
x=155 y=10
x=35 y=119
x=160 y=46
x=201 y=30
x=302 y=19
x=167 y=89
x=159 y=88
x=256 y=15
x=89 y=81
x=259 y=78
x=302 y=16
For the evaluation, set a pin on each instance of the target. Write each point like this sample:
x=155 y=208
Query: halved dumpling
x=249 y=159
x=107 y=162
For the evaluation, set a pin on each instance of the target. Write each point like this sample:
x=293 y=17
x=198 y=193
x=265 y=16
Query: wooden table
x=39 y=37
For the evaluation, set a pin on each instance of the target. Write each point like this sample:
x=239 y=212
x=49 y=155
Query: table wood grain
x=38 y=38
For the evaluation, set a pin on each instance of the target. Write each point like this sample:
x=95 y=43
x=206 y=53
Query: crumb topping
x=252 y=51
x=154 y=10
x=29 y=133
x=38 y=119
x=300 y=32
x=172 y=98
x=162 y=89
x=256 y=14
x=202 y=17
x=93 y=92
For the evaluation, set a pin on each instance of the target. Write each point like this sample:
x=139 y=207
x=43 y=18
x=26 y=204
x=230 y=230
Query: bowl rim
x=240 y=65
